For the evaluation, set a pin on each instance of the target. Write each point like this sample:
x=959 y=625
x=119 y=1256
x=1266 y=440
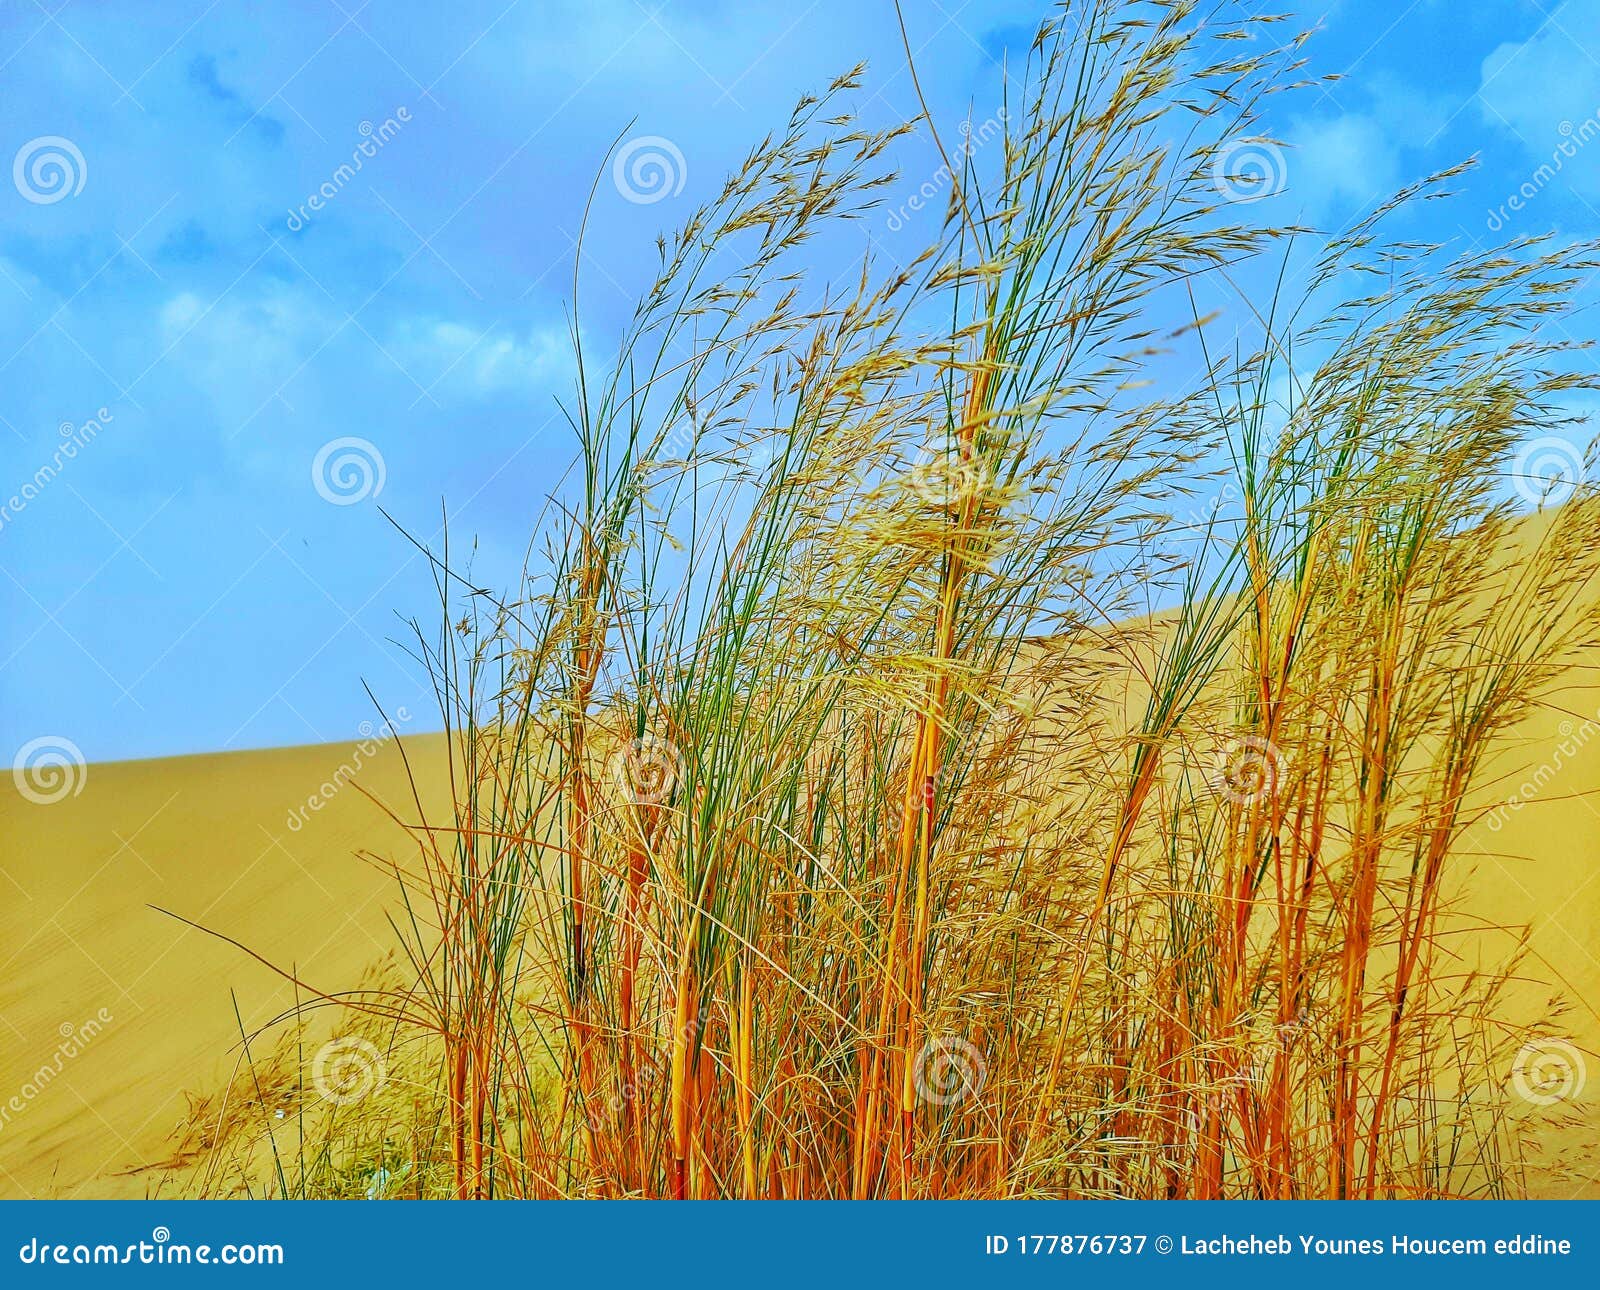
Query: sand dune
x=111 y=1010
x=1538 y=866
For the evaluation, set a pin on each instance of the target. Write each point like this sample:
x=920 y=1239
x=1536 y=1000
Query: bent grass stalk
x=835 y=804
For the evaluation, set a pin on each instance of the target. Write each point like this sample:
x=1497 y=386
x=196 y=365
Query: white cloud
x=1344 y=162
x=1545 y=93
x=239 y=351
x=1532 y=86
x=454 y=358
x=246 y=353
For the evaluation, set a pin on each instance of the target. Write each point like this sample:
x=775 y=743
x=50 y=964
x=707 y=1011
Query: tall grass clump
x=900 y=775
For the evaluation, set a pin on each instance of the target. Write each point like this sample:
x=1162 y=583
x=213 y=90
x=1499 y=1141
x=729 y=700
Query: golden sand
x=113 y=1011
x=132 y=1006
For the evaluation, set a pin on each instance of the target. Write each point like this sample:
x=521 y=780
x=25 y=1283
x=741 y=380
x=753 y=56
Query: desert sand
x=208 y=838
x=113 y=1011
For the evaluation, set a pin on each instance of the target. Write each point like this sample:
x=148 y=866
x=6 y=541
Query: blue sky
x=176 y=304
